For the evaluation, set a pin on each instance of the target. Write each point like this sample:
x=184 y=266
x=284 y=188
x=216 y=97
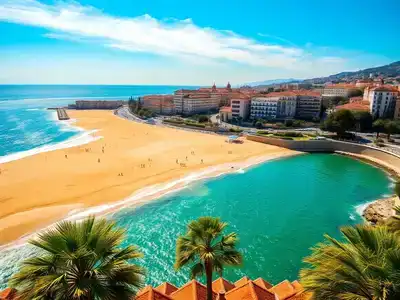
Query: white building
x=382 y=101
x=263 y=107
x=240 y=108
x=189 y=102
x=338 y=90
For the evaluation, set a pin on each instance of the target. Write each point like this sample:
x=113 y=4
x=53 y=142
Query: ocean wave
x=361 y=207
x=81 y=139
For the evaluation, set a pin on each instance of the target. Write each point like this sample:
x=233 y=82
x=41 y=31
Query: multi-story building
x=159 y=104
x=308 y=105
x=339 y=90
x=289 y=104
x=263 y=107
x=382 y=101
x=240 y=108
x=189 y=102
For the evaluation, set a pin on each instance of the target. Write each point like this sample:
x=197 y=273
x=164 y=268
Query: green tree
x=355 y=93
x=259 y=124
x=378 y=126
x=390 y=128
x=339 y=122
x=363 y=120
x=80 y=260
x=206 y=249
x=366 y=265
x=288 y=123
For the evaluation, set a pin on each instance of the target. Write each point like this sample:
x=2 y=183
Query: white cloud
x=168 y=37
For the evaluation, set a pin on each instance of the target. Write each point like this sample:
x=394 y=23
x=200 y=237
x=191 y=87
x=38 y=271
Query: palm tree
x=366 y=265
x=393 y=223
x=82 y=261
x=206 y=248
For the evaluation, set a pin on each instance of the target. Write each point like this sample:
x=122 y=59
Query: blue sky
x=192 y=43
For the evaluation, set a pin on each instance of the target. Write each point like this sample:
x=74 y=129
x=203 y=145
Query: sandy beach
x=39 y=190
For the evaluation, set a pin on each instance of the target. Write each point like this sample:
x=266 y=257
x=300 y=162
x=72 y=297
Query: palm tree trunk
x=208 y=267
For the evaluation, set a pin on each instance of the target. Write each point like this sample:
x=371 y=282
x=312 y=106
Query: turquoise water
x=279 y=210
x=25 y=124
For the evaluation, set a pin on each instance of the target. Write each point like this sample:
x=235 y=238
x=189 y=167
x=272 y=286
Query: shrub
x=285 y=138
x=259 y=125
x=289 y=134
x=263 y=132
x=195 y=124
x=203 y=119
x=174 y=121
x=235 y=130
x=288 y=123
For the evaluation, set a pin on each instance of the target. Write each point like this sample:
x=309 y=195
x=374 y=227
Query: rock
x=380 y=210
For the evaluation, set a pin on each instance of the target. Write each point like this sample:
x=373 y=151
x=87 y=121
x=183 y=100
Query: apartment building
x=308 y=105
x=264 y=107
x=240 y=108
x=189 y=102
x=289 y=104
x=159 y=104
x=338 y=90
x=382 y=101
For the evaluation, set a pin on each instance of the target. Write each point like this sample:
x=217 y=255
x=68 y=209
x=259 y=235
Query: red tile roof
x=8 y=294
x=166 y=288
x=363 y=106
x=193 y=290
x=261 y=282
x=226 y=109
x=222 y=284
x=148 y=293
x=341 y=86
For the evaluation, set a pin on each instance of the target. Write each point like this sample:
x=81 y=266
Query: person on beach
x=98 y=160
x=66 y=156
x=201 y=160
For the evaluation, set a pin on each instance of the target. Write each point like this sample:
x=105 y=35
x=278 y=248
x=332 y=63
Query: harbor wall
x=389 y=158
x=97 y=104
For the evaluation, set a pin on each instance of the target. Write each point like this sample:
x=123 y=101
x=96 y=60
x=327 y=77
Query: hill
x=270 y=82
x=390 y=70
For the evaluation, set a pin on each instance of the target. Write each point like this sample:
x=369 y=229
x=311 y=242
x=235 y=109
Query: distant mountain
x=270 y=82
x=390 y=70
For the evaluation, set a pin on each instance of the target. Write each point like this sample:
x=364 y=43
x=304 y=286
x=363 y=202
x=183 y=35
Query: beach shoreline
x=74 y=182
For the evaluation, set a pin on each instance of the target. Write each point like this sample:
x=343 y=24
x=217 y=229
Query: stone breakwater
x=380 y=210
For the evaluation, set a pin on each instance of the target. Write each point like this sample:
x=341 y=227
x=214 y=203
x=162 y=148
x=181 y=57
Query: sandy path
x=38 y=190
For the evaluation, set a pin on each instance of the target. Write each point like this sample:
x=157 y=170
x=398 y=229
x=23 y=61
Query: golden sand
x=38 y=190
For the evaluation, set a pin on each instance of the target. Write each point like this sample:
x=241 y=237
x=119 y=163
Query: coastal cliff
x=380 y=210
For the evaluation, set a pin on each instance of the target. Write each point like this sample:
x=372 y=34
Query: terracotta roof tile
x=222 y=284
x=8 y=294
x=354 y=106
x=148 y=293
x=249 y=291
x=242 y=281
x=283 y=289
x=192 y=290
x=166 y=288
x=261 y=282
x=226 y=109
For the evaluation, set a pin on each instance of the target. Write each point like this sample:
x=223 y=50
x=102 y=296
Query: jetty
x=62 y=114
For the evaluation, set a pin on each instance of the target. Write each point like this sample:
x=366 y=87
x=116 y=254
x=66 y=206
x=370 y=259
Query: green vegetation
x=363 y=120
x=339 y=122
x=366 y=265
x=356 y=93
x=236 y=130
x=397 y=189
x=200 y=118
x=80 y=261
x=136 y=108
x=184 y=122
x=206 y=249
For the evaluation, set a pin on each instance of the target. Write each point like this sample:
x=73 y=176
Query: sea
x=279 y=209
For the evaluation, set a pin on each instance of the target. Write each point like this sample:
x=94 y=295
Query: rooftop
x=356 y=106
x=243 y=289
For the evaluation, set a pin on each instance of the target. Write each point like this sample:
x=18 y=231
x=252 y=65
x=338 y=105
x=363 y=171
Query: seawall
x=382 y=157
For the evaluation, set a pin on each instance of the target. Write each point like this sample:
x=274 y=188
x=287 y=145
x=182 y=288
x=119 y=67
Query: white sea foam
x=81 y=139
x=361 y=207
x=32 y=109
